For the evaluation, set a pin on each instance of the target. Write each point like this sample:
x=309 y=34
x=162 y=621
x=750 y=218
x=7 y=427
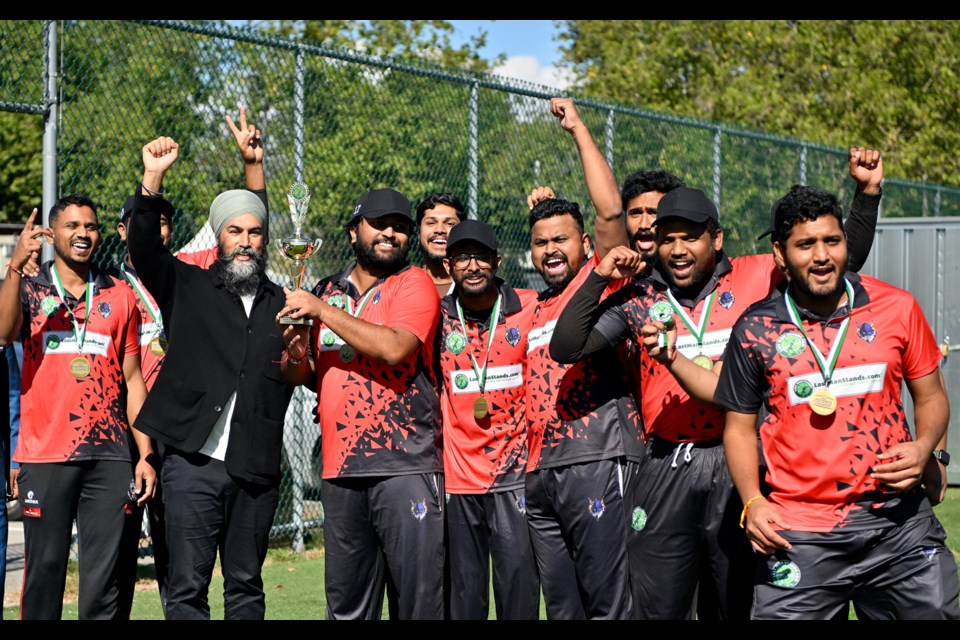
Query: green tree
x=891 y=84
x=21 y=165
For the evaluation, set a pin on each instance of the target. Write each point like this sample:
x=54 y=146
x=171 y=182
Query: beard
x=368 y=258
x=436 y=259
x=488 y=284
x=241 y=278
x=652 y=256
x=802 y=285
x=560 y=281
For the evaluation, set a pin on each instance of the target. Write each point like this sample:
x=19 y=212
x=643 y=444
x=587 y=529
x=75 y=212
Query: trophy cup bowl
x=297 y=248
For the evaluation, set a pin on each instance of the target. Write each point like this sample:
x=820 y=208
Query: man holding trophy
x=219 y=402
x=370 y=360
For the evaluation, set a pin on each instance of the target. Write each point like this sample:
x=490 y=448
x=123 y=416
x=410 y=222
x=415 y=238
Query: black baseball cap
x=688 y=204
x=377 y=203
x=165 y=208
x=474 y=230
x=773 y=220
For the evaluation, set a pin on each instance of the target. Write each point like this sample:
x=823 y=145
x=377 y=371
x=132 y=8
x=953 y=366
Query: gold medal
x=703 y=361
x=79 y=367
x=158 y=346
x=480 y=408
x=347 y=353
x=823 y=402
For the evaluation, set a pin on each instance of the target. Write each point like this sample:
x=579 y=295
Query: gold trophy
x=297 y=248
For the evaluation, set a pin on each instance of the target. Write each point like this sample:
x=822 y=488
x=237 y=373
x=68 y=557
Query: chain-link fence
x=345 y=122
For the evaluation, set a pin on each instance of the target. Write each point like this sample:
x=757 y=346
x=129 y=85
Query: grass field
x=293 y=582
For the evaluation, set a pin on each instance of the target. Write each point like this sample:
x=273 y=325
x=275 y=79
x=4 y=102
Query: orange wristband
x=743 y=514
x=10 y=266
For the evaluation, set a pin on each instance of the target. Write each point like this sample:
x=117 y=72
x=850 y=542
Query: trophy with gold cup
x=297 y=248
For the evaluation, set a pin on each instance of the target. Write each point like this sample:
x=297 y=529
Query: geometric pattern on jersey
x=64 y=418
x=482 y=455
x=376 y=418
x=819 y=466
x=668 y=410
x=575 y=412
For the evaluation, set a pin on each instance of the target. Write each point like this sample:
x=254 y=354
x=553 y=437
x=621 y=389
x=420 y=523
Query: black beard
x=241 y=278
x=651 y=257
x=434 y=259
x=468 y=293
x=368 y=258
x=804 y=287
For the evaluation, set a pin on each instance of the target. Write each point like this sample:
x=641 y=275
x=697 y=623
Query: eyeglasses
x=484 y=260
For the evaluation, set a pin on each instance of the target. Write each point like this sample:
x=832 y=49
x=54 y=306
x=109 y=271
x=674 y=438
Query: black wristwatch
x=942 y=456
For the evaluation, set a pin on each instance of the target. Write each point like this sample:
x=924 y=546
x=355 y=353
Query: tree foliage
x=892 y=85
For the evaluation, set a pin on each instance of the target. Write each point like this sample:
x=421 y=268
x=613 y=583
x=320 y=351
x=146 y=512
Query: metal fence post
x=608 y=134
x=51 y=117
x=803 y=164
x=716 y=166
x=473 y=155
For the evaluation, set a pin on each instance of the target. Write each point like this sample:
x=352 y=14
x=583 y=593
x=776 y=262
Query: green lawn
x=294 y=582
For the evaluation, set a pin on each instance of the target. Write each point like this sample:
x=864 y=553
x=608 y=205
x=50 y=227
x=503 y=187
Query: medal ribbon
x=79 y=335
x=700 y=329
x=154 y=313
x=481 y=372
x=360 y=305
x=826 y=364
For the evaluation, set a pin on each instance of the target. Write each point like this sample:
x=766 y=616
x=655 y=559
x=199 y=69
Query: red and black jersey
x=818 y=467
x=668 y=411
x=488 y=454
x=150 y=360
x=378 y=419
x=64 y=418
x=576 y=412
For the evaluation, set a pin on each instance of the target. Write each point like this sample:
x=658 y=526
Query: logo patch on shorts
x=785 y=574
x=456 y=342
x=522 y=505
x=596 y=507
x=791 y=344
x=638 y=520
x=418 y=508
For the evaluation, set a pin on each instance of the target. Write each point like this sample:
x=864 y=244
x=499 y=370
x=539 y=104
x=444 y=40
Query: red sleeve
x=131 y=346
x=413 y=307
x=922 y=354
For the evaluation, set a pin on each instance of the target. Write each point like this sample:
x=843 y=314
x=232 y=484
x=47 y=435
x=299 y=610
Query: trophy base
x=296 y=321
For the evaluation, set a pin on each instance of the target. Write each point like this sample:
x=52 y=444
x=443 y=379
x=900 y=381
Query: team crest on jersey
x=336 y=300
x=49 y=305
x=418 y=509
x=785 y=574
x=460 y=380
x=596 y=507
x=53 y=341
x=726 y=299
x=376 y=297
x=329 y=339
x=638 y=519
x=866 y=331
x=661 y=311
x=522 y=505
x=791 y=344
x=513 y=336
x=803 y=389
x=456 y=342
x=104 y=309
